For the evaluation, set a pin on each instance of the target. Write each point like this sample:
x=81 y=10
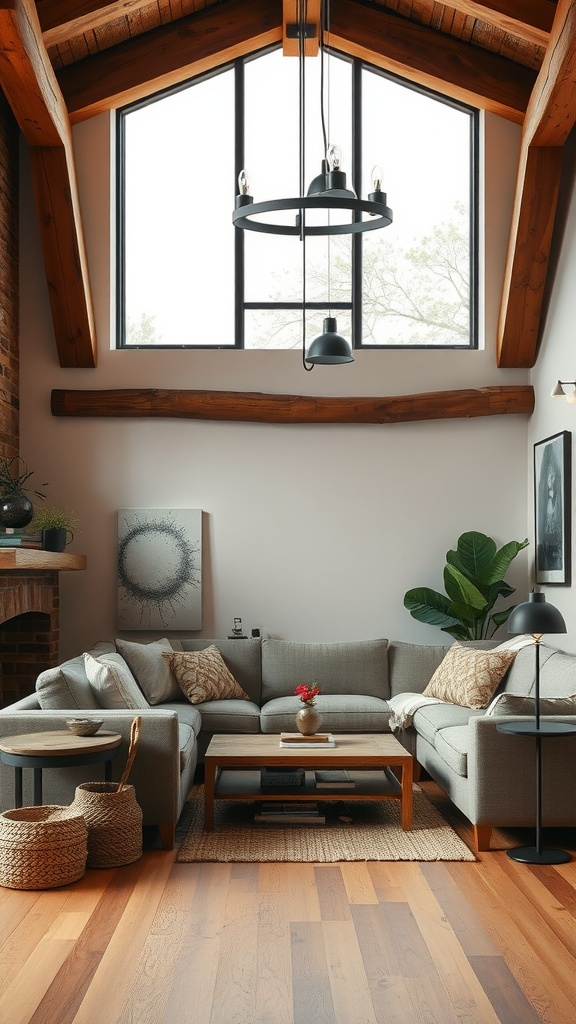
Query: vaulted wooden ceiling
x=62 y=61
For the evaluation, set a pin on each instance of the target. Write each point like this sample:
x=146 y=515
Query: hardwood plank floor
x=155 y=942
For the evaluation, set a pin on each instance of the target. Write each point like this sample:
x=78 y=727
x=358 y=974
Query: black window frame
x=358 y=66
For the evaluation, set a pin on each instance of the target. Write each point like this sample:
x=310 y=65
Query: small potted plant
x=55 y=524
x=16 y=509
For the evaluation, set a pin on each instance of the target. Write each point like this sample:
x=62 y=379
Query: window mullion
x=356 y=282
x=239 y=249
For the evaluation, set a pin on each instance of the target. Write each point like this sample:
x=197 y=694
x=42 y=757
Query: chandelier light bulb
x=334 y=157
x=571 y=397
x=244 y=182
x=377 y=175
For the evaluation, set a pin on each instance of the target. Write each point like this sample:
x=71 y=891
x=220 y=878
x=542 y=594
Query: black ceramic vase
x=16 y=511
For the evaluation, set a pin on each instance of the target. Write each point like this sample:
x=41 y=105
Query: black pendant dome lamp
x=328 y=191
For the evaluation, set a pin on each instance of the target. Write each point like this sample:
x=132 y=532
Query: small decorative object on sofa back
x=474 y=580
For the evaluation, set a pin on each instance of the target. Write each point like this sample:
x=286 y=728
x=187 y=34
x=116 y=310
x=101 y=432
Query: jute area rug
x=374 y=833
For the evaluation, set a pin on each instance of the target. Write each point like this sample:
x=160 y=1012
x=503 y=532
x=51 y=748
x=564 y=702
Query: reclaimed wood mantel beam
x=256 y=407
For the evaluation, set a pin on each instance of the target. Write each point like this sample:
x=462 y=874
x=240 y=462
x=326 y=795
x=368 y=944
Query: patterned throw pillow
x=469 y=677
x=204 y=675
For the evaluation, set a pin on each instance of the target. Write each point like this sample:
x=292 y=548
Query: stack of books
x=334 y=780
x=296 y=739
x=20 y=540
x=305 y=813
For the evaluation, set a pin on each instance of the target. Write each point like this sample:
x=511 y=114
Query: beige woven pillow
x=469 y=677
x=204 y=675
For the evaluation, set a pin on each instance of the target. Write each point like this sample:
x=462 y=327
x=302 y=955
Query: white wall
x=311 y=532
x=557 y=361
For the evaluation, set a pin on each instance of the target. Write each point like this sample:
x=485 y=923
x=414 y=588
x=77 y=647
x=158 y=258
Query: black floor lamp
x=537 y=617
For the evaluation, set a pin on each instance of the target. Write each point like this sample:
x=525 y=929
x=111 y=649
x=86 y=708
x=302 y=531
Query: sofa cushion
x=242 y=658
x=230 y=716
x=113 y=683
x=452 y=745
x=150 y=670
x=338 y=712
x=339 y=668
x=515 y=704
x=187 y=742
x=203 y=675
x=66 y=686
x=557 y=674
x=469 y=677
x=187 y=713
x=432 y=717
x=520 y=675
x=411 y=666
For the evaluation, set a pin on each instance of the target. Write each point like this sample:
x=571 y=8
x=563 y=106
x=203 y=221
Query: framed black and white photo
x=552 y=483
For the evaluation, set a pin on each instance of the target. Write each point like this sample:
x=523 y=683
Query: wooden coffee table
x=369 y=757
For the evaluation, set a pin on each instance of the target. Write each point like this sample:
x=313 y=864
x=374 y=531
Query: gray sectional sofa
x=487 y=774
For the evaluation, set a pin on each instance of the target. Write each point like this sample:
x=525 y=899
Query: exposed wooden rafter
x=549 y=119
x=30 y=85
x=530 y=20
x=432 y=59
x=61 y=20
x=169 y=55
x=246 y=407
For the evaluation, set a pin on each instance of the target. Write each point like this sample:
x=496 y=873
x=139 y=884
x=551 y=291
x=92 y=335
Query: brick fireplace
x=29 y=616
x=29 y=629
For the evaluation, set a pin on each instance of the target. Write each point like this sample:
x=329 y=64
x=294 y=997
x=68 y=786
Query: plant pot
x=307 y=721
x=16 y=511
x=56 y=539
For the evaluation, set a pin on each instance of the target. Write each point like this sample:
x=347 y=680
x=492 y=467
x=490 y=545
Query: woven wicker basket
x=41 y=850
x=114 y=821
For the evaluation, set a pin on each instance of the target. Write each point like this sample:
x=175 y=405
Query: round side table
x=56 y=749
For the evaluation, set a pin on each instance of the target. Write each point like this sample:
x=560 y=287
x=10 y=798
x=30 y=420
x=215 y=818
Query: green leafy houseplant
x=473 y=580
x=14 y=475
x=50 y=518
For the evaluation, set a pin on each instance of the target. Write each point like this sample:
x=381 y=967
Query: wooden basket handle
x=134 y=738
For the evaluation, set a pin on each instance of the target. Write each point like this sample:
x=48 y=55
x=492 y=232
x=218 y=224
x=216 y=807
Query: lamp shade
x=536 y=616
x=329 y=347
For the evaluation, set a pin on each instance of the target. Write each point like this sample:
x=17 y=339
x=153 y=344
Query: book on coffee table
x=290 y=813
x=337 y=779
x=296 y=739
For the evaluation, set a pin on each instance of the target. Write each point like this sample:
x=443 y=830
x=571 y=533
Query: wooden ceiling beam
x=290 y=16
x=256 y=407
x=432 y=59
x=550 y=117
x=61 y=20
x=168 y=55
x=30 y=86
x=528 y=20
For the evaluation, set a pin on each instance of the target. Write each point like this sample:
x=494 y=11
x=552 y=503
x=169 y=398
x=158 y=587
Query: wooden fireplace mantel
x=29 y=558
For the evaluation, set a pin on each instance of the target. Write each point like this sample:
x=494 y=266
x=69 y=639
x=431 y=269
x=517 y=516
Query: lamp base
x=530 y=855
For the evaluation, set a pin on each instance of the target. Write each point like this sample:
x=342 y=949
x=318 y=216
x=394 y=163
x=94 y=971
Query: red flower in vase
x=307 y=694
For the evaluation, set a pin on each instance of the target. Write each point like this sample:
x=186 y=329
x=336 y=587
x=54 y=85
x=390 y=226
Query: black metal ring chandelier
x=328 y=192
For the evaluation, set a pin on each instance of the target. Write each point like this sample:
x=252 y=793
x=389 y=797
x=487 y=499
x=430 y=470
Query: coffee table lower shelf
x=234 y=784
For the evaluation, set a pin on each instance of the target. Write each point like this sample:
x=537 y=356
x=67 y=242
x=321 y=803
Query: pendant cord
x=303 y=12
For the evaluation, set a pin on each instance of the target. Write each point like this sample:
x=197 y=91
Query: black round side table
x=535 y=854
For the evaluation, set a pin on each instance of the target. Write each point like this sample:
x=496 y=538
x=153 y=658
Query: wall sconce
x=558 y=391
